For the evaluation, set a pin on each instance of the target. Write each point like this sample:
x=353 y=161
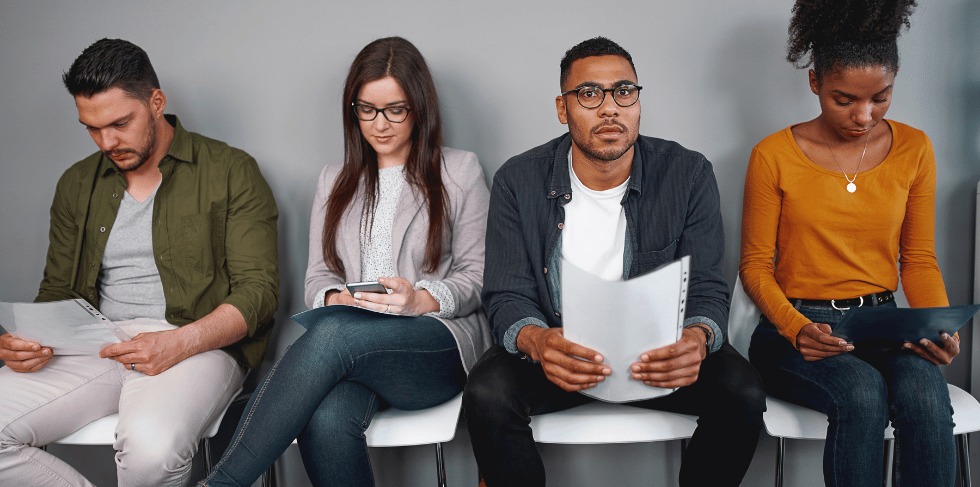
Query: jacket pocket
x=645 y=262
x=202 y=242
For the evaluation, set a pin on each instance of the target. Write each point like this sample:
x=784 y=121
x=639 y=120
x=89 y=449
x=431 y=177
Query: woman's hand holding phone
x=404 y=299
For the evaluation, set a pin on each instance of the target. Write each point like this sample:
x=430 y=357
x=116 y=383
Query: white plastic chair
x=102 y=431
x=787 y=420
x=598 y=422
x=395 y=427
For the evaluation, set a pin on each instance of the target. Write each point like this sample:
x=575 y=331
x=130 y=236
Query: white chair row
x=598 y=423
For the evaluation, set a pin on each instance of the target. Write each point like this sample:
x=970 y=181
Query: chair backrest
x=742 y=319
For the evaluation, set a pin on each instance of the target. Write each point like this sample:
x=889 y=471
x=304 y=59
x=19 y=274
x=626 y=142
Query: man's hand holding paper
x=23 y=355
x=676 y=365
x=569 y=365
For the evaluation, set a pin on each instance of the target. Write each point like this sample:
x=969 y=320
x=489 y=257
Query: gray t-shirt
x=129 y=282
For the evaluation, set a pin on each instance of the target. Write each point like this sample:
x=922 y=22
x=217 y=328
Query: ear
x=158 y=102
x=562 y=109
x=814 y=82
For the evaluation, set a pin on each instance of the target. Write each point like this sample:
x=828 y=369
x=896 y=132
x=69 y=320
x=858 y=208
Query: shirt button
x=561 y=225
x=102 y=229
x=552 y=193
x=557 y=314
x=568 y=196
x=115 y=195
x=91 y=296
x=545 y=270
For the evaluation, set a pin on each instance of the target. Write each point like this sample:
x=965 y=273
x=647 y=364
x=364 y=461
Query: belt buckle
x=834 y=305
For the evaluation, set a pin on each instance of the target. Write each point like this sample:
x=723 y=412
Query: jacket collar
x=561 y=183
x=181 y=148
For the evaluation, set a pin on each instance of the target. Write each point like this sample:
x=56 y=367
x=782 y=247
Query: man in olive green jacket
x=172 y=236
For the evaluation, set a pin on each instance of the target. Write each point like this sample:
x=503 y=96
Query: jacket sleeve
x=60 y=267
x=318 y=275
x=510 y=291
x=469 y=228
x=703 y=238
x=251 y=246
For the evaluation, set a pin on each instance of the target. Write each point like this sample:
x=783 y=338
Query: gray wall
x=267 y=76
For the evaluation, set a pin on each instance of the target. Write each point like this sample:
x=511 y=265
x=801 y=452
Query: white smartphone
x=366 y=287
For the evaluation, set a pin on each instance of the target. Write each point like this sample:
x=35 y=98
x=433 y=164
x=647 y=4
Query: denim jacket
x=672 y=210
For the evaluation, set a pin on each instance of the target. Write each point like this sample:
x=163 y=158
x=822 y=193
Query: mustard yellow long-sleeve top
x=831 y=244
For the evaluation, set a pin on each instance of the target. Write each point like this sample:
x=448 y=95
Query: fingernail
x=849 y=348
x=607 y=371
x=598 y=358
x=924 y=341
x=635 y=368
x=907 y=346
x=600 y=378
x=945 y=335
x=357 y=295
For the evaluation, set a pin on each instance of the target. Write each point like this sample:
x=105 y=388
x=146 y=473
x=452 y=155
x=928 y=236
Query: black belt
x=844 y=304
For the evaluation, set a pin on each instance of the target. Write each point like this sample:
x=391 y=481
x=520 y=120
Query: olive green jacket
x=214 y=235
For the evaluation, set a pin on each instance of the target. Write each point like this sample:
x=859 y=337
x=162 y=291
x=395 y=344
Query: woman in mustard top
x=835 y=210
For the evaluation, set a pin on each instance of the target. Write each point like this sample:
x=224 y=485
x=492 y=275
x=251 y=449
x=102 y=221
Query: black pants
x=503 y=392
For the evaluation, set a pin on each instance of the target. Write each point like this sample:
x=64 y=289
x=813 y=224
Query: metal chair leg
x=440 y=466
x=889 y=464
x=780 y=455
x=963 y=452
x=269 y=477
x=207 y=455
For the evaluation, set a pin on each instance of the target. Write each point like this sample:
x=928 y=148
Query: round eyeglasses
x=593 y=96
x=368 y=113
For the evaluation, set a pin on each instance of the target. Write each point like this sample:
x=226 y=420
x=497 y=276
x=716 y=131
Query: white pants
x=161 y=418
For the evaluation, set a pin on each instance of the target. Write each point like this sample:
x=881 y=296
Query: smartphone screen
x=366 y=287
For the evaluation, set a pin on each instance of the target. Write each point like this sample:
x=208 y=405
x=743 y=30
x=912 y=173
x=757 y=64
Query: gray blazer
x=461 y=267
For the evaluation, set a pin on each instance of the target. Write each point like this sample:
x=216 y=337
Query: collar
x=561 y=183
x=181 y=149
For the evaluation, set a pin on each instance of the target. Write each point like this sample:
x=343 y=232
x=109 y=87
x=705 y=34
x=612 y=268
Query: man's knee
x=736 y=387
x=489 y=397
x=151 y=459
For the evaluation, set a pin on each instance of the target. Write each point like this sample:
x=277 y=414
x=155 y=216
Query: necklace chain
x=851 y=187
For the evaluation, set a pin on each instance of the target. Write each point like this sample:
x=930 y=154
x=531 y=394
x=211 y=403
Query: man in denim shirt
x=618 y=205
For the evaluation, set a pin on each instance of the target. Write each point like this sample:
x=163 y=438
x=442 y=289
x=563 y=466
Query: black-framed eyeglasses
x=368 y=113
x=592 y=96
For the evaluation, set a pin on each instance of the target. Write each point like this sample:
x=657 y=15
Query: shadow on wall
x=764 y=96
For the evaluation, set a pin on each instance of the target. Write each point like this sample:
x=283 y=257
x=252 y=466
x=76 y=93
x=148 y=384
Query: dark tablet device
x=903 y=324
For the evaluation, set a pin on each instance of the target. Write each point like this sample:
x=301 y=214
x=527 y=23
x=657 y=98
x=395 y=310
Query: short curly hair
x=833 y=34
x=597 y=46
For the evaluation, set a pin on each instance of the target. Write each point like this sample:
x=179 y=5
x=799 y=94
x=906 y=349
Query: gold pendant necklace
x=851 y=187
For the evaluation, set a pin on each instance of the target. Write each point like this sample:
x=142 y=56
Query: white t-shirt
x=594 y=233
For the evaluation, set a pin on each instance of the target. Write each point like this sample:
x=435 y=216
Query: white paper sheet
x=623 y=319
x=71 y=327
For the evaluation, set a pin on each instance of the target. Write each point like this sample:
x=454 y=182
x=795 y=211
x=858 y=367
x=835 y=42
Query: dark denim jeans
x=860 y=391
x=327 y=386
x=504 y=391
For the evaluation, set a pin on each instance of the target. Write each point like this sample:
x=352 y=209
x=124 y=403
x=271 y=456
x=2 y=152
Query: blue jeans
x=327 y=386
x=860 y=392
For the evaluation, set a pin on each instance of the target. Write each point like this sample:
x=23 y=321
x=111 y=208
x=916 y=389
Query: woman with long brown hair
x=405 y=212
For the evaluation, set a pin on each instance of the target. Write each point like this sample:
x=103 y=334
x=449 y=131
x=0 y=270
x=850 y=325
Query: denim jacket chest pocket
x=644 y=262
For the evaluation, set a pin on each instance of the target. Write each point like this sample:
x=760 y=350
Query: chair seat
x=599 y=422
x=395 y=427
x=788 y=420
x=102 y=431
